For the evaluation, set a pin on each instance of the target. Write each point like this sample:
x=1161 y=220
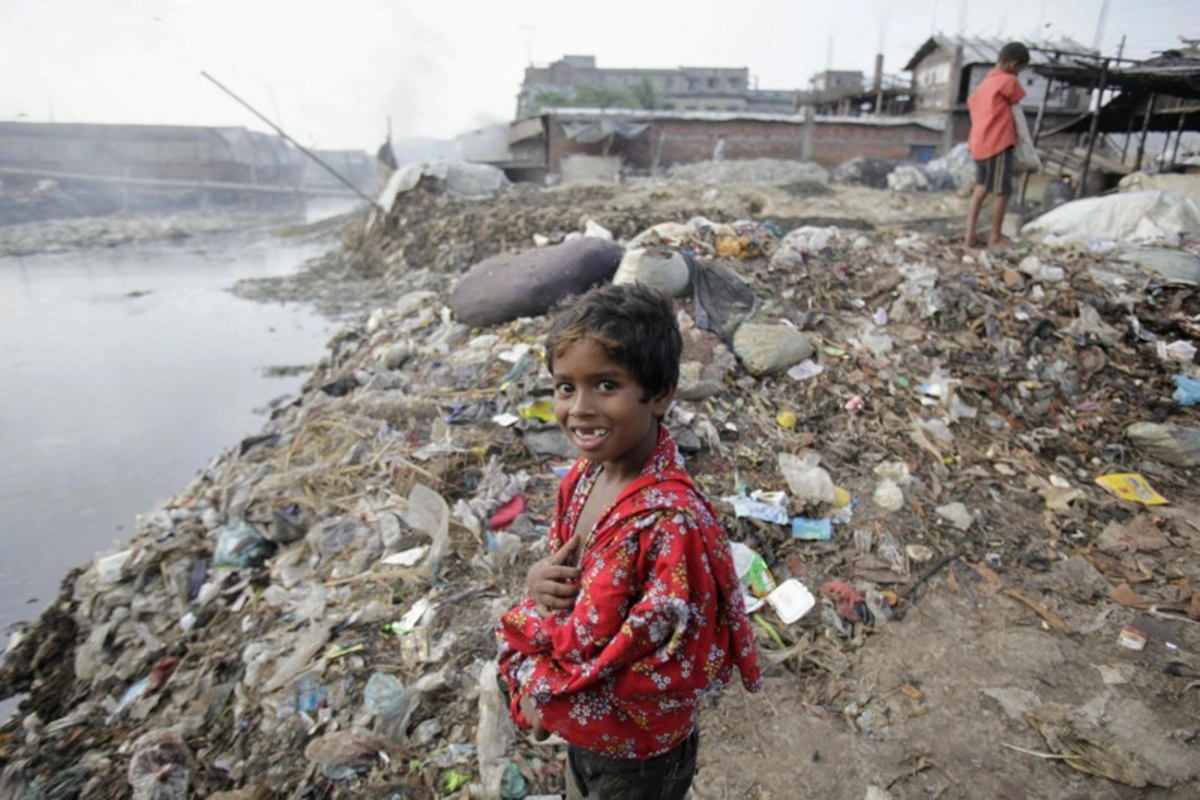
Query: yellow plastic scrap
x=1131 y=486
x=455 y=780
x=841 y=498
x=542 y=410
x=338 y=652
x=786 y=419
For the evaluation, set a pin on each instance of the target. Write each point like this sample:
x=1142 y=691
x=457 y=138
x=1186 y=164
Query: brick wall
x=689 y=141
x=834 y=143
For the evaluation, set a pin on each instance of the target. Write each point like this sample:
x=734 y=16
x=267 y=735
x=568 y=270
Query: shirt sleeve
x=519 y=631
x=628 y=636
x=1012 y=90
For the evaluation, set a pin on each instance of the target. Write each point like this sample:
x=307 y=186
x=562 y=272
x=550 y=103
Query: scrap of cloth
x=659 y=621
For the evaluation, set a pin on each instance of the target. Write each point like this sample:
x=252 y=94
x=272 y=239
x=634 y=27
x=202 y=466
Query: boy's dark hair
x=1014 y=51
x=634 y=324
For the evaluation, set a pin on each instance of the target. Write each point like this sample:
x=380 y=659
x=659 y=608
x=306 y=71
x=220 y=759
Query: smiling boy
x=637 y=613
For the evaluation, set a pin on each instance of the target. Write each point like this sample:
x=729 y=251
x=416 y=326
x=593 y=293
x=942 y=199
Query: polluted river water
x=125 y=371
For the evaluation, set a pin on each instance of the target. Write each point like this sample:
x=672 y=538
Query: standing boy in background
x=994 y=138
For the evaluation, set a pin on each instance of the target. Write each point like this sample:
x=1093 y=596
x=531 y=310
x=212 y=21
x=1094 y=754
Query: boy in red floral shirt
x=638 y=612
x=993 y=138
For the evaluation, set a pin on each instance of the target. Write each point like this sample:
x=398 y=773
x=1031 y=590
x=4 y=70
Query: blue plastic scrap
x=1187 y=392
x=747 y=507
x=812 y=530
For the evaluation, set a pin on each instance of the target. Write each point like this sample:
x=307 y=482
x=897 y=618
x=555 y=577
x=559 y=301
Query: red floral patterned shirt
x=659 y=621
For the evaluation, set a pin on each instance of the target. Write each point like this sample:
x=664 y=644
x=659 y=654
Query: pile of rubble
x=880 y=417
x=952 y=172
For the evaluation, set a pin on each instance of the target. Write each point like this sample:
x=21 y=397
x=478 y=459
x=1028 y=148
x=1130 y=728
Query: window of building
x=735 y=83
x=712 y=83
x=921 y=153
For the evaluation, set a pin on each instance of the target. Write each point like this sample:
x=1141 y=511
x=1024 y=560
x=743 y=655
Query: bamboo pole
x=1178 y=136
x=1095 y=126
x=299 y=146
x=1145 y=129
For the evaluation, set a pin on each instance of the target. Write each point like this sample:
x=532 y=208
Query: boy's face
x=1013 y=67
x=598 y=402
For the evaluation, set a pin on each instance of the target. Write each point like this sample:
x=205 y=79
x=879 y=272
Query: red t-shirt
x=992 y=128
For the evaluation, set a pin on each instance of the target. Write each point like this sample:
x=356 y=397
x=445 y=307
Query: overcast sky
x=332 y=73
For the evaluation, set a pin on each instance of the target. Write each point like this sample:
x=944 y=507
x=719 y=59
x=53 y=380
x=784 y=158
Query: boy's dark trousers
x=598 y=777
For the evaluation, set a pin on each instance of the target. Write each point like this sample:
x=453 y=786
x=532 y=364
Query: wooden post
x=808 y=133
x=1178 y=136
x=1145 y=128
x=1037 y=132
x=952 y=100
x=1095 y=126
x=253 y=172
x=658 y=149
x=1128 y=136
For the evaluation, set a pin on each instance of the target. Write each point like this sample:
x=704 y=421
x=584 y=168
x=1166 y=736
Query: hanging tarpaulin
x=595 y=131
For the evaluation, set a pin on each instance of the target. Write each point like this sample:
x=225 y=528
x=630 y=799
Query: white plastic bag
x=1026 y=157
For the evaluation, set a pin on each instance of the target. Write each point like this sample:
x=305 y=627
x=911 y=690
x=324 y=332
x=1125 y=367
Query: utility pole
x=1101 y=22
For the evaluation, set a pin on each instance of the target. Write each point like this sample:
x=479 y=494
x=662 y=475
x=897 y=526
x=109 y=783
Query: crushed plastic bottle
x=240 y=545
x=385 y=698
x=495 y=732
x=808 y=482
x=158 y=769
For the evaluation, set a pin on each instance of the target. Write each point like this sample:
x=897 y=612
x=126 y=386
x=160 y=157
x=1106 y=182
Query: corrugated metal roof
x=985 y=50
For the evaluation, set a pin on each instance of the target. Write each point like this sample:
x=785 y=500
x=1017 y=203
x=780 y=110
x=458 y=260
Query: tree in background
x=644 y=95
x=647 y=95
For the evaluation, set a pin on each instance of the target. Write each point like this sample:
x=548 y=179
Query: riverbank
x=312 y=612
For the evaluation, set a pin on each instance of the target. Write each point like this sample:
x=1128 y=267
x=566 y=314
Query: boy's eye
x=608 y=386
x=563 y=388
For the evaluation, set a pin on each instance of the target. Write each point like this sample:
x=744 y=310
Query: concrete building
x=577 y=142
x=167 y=152
x=838 y=82
x=938 y=89
x=682 y=89
x=100 y=169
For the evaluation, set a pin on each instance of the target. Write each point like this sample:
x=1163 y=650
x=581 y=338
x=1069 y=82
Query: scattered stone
x=956 y=514
x=1013 y=701
x=530 y=283
x=664 y=270
x=770 y=349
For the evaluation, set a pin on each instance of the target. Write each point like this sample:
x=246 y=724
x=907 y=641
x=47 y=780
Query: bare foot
x=1002 y=242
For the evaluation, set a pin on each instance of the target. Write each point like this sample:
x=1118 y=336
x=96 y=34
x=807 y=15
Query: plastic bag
x=1026 y=157
x=723 y=301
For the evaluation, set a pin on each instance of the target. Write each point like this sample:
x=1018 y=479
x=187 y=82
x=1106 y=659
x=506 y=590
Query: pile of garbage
x=949 y=173
x=876 y=415
x=753 y=170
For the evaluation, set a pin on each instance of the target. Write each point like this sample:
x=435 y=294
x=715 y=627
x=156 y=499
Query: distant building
x=937 y=90
x=838 y=82
x=580 y=142
x=154 y=152
x=682 y=89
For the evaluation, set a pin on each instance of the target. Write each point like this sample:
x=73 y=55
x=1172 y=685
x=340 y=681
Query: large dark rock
x=529 y=284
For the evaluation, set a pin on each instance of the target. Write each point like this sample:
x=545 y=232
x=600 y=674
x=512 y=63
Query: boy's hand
x=530 y=712
x=552 y=583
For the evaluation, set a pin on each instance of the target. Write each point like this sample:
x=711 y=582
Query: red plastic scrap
x=506 y=513
x=845 y=597
x=159 y=673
